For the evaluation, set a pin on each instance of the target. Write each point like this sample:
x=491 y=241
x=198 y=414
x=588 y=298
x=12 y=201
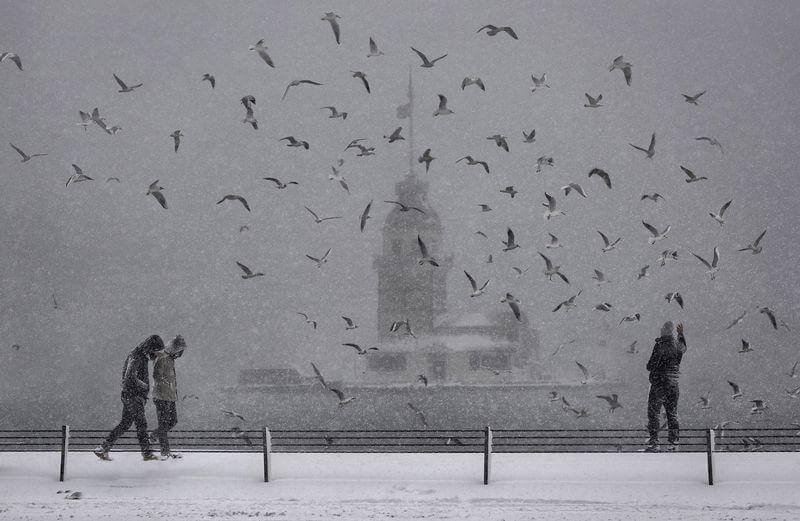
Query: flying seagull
x=280 y=185
x=373 y=49
x=493 y=30
x=331 y=17
x=295 y=83
x=692 y=99
x=425 y=61
x=745 y=347
x=419 y=414
x=363 y=77
x=625 y=67
x=613 y=401
x=755 y=247
x=642 y=272
x=711 y=141
x=551 y=207
x=674 y=295
x=308 y=320
x=320 y=261
x=655 y=196
x=348 y=323
x=650 y=150
x=712 y=267
x=569 y=303
x=364 y=216
x=513 y=303
x=442 y=110
x=573 y=186
x=232 y=197
x=690 y=176
x=500 y=141
x=476 y=291
x=600 y=277
x=529 y=137
x=426 y=258
x=472 y=162
x=509 y=190
x=737 y=391
x=317 y=218
x=176 y=137
x=365 y=151
x=403 y=207
x=630 y=318
x=539 y=82
x=25 y=157
x=261 y=49
x=554 y=242
x=78 y=176
x=250 y=117
x=737 y=320
x=466 y=82
x=337 y=176
x=509 y=242
x=125 y=88
x=550 y=269
x=485 y=208
x=248 y=273
x=13 y=57
x=155 y=191
x=593 y=102
x=426 y=158
x=655 y=235
x=395 y=135
x=210 y=79
x=719 y=217
x=360 y=350
x=292 y=142
x=233 y=414
x=770 y=315
x=602 y=174
x=335 y=113
x=608 y=245
x=584 y=372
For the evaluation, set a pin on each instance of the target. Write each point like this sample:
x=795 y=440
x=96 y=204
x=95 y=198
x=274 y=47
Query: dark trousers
x=167 y=419
x=663 y=393
x=132 y=412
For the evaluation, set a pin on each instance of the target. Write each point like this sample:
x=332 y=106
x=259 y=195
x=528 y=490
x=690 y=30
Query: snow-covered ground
x=750 y=486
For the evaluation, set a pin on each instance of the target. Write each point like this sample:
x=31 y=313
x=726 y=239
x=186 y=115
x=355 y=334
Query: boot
x=102 y=453
x=149 y=456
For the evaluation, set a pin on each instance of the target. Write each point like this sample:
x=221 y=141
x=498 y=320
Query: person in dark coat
x=664 y=366
x=135 y=388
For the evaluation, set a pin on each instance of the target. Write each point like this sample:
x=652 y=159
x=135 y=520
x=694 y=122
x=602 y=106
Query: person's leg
x=655 y=399
x=137 y=408
x=162 y=412
x=671 y=406
x=123 y=425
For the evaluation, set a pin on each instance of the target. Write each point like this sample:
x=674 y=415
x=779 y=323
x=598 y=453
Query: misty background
x=121 y=267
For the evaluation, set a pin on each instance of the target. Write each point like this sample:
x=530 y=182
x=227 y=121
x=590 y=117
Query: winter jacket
x=135 y=377
x=165 y=386
x=666 y=358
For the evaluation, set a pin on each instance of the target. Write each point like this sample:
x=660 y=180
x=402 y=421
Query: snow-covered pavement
x=750 y=486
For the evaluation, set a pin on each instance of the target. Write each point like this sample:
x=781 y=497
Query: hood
x=151 y=344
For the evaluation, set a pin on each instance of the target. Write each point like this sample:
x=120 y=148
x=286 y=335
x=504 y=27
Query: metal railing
x=486 y=441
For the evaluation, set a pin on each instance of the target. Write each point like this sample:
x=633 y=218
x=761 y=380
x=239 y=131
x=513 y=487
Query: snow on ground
x=553 y=487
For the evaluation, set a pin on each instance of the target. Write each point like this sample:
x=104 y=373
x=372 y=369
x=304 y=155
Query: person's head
x=176 y=347
x=666 y=329
x=151 y=344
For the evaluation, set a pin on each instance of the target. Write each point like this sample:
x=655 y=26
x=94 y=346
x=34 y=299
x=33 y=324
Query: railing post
x=267 y=447
x=64 y=450
x=487 y=455
x=710 y=454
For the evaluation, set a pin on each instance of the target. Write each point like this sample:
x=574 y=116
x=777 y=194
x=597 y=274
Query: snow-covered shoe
x=170 y=455
x=652 y=447
x=672 y=447
x=149 y=456
x=102 y=453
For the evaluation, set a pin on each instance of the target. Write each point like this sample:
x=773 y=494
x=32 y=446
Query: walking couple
x=135 y=390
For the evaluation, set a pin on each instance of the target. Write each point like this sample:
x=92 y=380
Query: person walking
x=664 y=366
x=165 y=391
x=135 y=388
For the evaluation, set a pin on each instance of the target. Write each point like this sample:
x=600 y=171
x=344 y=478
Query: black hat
x=152 y=343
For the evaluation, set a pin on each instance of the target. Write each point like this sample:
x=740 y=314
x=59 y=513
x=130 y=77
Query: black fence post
x=267 y=447
x=64 y=450
x=487 y=454
x=710 y=454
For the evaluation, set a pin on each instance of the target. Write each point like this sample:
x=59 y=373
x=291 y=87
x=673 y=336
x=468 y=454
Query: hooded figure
x=135 y=388
x=664 y=366
x=165 y=391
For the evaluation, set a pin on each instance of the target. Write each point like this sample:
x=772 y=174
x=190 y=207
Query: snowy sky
x=121 y=267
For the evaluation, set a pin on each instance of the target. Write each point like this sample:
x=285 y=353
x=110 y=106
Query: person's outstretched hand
x=680 y=328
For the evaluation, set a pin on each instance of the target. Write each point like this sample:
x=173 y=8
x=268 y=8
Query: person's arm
x=132 y=375
x=655 y=358
x=681 y=339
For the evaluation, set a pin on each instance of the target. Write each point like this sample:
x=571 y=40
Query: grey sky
x=122 y=267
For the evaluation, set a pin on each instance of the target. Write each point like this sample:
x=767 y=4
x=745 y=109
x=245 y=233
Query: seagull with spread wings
x=320 y=261
x=493 y=30
x=655 y=235
x=14 y=57
x=419 y=414
x=335 y=113
x=426 y=158
x=360 y=350
x=293 y=142
x=210 y=79
x=473 y=162
x=538 y=83
x=608 y=245
x=569 y=303
x=25 y=157
x=513 y=303
x=404 y=208
x=337 y=176
x=466 y=82
x=426 y=257
x=593 y=103
x=364 y=216
x=650 y=150
x=551 y=207
x=442 y=110
x=126 y=88
x=584 y=372
x=233 y=197
x=261 y=49
x=711 y=141
x=425 y=61
x=308 y=319
x=691 y=177
x=318 y=219
x=248 y=273
x=602 y=174
x=551 y=269
x=620 y=63
x=295 y=83
x=78 y=176
x=720 y=217
x=692 y=99
x=332 y=19
x=476 y=291
x=155 y=191
x=613 y=401
x=712 y=266
x=280 y=185
x=755 y=246
x=509 y=242
x=373 y=48
x=176 y=137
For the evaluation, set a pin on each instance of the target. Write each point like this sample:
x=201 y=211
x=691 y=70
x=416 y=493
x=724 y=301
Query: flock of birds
x=426 y=259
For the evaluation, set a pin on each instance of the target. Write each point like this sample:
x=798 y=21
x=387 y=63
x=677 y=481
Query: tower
x=406 y=289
